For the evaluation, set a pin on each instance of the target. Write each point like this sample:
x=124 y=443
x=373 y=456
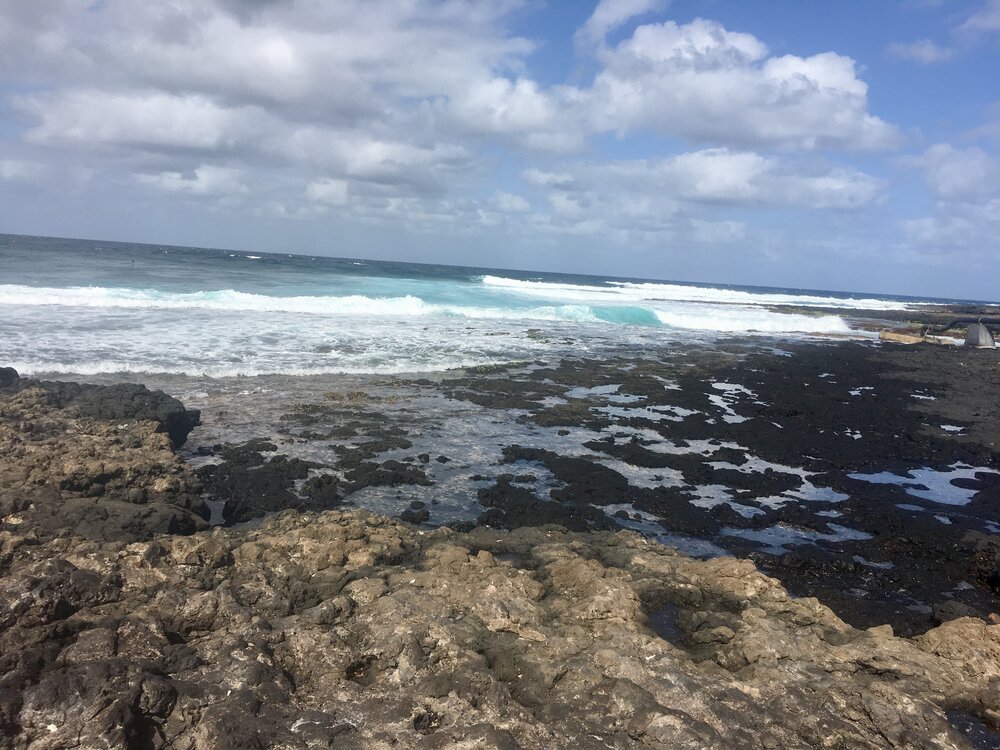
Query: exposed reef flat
x=846 y=495
x=866 y=474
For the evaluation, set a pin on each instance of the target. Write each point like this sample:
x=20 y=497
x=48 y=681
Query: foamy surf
x=650 y=292
x=694 y=317
x=229 y=313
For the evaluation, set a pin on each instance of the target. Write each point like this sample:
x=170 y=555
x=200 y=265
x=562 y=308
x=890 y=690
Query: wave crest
x=626 y=291
x=609 y=310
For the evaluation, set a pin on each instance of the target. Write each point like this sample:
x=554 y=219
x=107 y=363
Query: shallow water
x=928 y=484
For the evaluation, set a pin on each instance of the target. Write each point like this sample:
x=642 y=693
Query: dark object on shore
x=978 y=332
x=979 y=336
x=8 y=376
x=415 y=515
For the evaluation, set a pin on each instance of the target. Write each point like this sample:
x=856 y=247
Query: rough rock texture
x=62 y=469
x=749 y=448
x=348 y=630
x=123 y=402
x=252 y=486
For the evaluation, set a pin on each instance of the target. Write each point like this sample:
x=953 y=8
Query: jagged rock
x=121 y=402
x=99 y=477
x=352 y=630
x=510 y=507
x=252 y=486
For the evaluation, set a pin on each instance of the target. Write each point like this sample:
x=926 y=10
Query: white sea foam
x=35 y=368
x=407 y=306
x=735 y=319
x=699 y=318
x=224 y=299
x=681 y=293
x=411 y=326
x=775 y=539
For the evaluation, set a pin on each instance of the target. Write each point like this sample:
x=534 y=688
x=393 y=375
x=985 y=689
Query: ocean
x=85 y=307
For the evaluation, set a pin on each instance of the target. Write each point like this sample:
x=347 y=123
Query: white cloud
x=397 y=112
x=690 y=194
x=610 y=15
x=511 y=203
x=721 y=176
x=968 y=175
x=922 y=51
x=141 y=120
x=704 y=83
x=500 y=105
x=205 y=180
x=331 y=192
x=339 y=59
x=966 y=184
x=517 y=109
x=562 y=180
x=986 y=19
x=990 y=130
x=715 y=175
x=716 y=232
x=194 y=75
x=945 y=231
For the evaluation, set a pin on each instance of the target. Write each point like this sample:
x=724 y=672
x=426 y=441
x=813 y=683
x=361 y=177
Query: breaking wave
x=695 y=317
x=652 y=292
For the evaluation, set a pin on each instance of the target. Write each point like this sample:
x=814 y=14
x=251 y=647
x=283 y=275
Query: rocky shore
x=127 y=622
x=867 y=475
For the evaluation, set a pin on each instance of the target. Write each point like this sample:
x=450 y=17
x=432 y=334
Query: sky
x=851 y=145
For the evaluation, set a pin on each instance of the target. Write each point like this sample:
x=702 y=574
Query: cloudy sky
x=836 y=145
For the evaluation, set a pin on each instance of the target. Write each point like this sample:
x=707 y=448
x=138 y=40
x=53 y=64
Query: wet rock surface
x=865 y=474
x=251 y=486
x=765 y=454
x=124 y=622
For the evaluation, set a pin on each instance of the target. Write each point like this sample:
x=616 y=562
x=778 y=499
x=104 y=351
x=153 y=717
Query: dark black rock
x=413 y=515
x=8 y=376
x=427 y=722
x=588 y=482
x=511 y=507
x=323 y=490
x=392 y=473
x=251 y=486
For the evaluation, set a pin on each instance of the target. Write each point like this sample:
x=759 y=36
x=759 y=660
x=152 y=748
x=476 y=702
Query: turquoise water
x=74 y=306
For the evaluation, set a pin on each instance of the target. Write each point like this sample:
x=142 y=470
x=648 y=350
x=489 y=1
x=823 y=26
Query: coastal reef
x=867 y=475
x=126 y=623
